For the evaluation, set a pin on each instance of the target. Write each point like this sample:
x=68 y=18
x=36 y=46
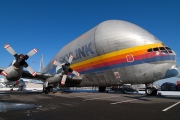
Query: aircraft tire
x=102 y=89
x=45 y=91
x=50 y=89
x=151 y=91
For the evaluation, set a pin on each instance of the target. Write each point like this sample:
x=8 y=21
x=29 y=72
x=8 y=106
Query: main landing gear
x=47 y=88
x=150 y=90
x=102 y=89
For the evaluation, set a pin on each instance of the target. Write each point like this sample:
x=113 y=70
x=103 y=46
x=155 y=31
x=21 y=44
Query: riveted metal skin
x=115 y=52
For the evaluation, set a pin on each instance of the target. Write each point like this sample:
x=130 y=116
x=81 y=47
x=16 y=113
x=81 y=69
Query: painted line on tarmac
x=86 y=95
x=171 y=106
x=100 y=98
x=126 y=101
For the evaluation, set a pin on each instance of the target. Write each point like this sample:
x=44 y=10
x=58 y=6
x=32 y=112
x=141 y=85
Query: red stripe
x=120 y=61
x=34 y=73
x=35 y=50
x=62 y=83
x=54 y=61
x=6 y=46
x=3 y=73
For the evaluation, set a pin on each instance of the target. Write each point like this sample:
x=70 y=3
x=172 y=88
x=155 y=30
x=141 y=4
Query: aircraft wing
x=39 y=75
x=43 y=77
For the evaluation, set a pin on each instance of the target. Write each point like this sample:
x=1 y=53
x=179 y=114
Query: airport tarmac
x=75 y=105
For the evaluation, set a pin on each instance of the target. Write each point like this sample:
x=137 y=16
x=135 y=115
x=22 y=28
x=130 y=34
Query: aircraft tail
x=41 y=64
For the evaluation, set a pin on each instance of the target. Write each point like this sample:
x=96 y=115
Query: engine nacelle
x=54 y=79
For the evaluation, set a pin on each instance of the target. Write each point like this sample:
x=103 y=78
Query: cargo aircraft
x=113 y=53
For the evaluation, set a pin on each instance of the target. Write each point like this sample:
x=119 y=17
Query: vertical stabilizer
x=41 y=63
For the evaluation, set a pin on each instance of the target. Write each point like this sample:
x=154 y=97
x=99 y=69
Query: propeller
x=20 y=60
x=66 y=69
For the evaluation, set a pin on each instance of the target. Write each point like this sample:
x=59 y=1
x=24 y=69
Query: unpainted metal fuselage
x=116 y=52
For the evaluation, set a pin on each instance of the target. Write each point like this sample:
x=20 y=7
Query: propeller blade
x=70 y=58
x=7 y=70
x=9 y=49
x=31 y=70
x=63 y=79
x=32 y=52
x=76 y=73
x=3 y=73
x=54 y=62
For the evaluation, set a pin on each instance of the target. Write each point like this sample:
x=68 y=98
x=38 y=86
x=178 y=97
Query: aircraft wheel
x=50 y=89
x=45 y=90
x=102 y=89
x=151 y=91
x=154 y=92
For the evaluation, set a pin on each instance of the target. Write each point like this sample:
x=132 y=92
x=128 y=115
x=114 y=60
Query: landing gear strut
x=47 y=88
x=12 y=87
x=102 y=89
x=150 y=90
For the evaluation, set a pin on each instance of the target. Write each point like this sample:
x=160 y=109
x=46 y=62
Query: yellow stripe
x=120 y=52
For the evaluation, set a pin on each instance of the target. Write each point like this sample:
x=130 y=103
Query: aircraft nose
x=172 y=72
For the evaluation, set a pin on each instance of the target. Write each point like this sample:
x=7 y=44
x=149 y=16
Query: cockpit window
x=163 y=50
x=156 y=49
x=150 y=50
x=169 y=49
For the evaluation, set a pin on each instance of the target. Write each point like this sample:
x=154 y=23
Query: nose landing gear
x=150 y=90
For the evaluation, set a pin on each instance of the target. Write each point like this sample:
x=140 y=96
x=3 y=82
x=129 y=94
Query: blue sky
x=48 y=25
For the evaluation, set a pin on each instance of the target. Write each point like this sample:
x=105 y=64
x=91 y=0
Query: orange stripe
x=135 y=53
x=137 y=50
